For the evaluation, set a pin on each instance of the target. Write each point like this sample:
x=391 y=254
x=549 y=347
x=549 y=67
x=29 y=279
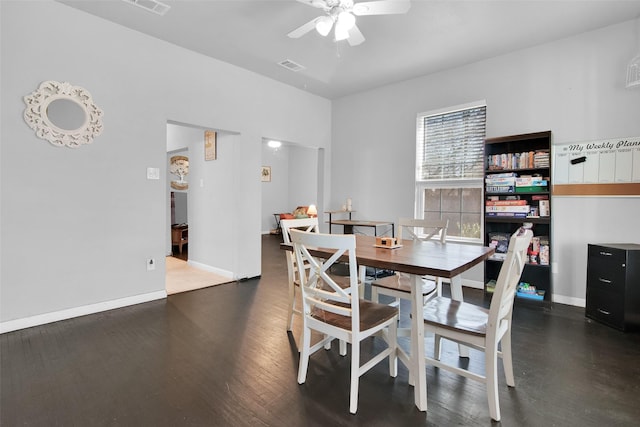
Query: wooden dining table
x=432 y=258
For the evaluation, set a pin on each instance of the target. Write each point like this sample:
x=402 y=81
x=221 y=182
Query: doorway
x=193 y=196
x=179 y=225
x=295 y=179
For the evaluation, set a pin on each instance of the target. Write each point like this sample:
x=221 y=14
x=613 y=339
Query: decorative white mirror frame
x=35 y=114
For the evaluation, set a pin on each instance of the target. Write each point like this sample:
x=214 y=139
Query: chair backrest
x=423 y=229
x=502 y=302
x=319 y=289
x=308 y=224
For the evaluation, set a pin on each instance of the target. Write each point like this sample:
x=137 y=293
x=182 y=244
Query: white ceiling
x=433 y=36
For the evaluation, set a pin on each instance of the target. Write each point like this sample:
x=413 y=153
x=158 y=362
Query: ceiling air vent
x=290 y=65
x=150 y=5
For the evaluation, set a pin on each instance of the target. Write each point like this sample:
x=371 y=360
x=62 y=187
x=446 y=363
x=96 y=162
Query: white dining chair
x=339 y=313
x=306 y=224
x=399 y=284
x=480 y=328
x=311 y=225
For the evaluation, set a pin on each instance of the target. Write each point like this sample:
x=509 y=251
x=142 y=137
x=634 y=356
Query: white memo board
x=606 y=167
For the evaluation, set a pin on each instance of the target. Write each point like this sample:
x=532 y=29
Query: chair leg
x=507 y=359
x=343 y=348
x=327 y=345
x=374 y=294
x=437 y=342
x=304 y=355
x=491 y=372
x=292 y=304
x=355 y=376
x=393 y=344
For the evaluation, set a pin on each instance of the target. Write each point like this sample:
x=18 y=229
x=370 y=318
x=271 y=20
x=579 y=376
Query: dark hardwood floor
x=221 y=357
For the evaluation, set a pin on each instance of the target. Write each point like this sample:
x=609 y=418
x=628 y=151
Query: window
x=450 y=167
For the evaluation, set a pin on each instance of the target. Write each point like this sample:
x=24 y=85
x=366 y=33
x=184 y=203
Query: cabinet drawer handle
x=604 y=312
x=604 y=280
x=605 y=253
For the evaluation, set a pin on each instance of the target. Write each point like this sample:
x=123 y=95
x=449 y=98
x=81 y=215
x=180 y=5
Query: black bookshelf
x=524 y=160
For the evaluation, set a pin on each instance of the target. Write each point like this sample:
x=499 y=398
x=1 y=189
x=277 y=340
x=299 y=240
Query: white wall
x=573 y=87
x=214 y=223
x=80 y=223
x=303 y=177
x=294 y=181
x=275 y=193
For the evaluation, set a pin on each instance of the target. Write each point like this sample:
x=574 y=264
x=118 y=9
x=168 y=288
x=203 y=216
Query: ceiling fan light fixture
x=323 y=25
x=341 y=34
x=344 y=23
x=346 y=20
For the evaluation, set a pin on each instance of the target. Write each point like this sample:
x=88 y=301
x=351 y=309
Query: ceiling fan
x=342 y=14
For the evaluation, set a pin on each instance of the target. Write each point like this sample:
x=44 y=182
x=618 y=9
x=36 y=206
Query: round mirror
x=63 y=114
x=66 y=114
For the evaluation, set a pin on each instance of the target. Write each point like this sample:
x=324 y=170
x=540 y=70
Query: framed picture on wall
x=266 y=174
x=210 y=145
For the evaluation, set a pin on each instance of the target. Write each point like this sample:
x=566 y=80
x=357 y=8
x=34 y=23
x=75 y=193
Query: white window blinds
x=451 y=145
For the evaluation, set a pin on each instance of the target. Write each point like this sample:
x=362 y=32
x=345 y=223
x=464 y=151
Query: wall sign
x=598 y=168
x=210 y=145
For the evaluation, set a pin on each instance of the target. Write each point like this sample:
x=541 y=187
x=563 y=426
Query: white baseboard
x=475 y=284
x=210 y=269
x=41 y=319
x=578 y=302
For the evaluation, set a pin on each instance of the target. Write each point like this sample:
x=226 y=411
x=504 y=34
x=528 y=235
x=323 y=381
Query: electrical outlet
x=151 y=264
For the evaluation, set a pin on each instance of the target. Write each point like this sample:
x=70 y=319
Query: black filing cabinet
x=613 y=284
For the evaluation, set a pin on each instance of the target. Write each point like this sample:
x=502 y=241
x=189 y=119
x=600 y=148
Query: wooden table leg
x=456 y=294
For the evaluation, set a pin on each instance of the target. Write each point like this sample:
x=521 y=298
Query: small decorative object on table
x=387 y=242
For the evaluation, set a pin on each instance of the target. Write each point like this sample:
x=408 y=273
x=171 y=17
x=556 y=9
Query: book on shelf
x=502 y=175
x=514 y=202
x=508 y=214
x=531 y=182
x=531 y=189
x=544 y=207
x=500 y=181
x=541 y=159
x=521 y=160
x=540 y=197
x=513 y=208
x=500 y=188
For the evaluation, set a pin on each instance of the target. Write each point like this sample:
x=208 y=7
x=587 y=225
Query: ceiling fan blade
x=304 y=28
x=382 y=7
x=320 y=4
x=355 y=36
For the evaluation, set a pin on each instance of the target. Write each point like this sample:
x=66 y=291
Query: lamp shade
x=312 y=211
x=323 y=25
x=345 y=22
